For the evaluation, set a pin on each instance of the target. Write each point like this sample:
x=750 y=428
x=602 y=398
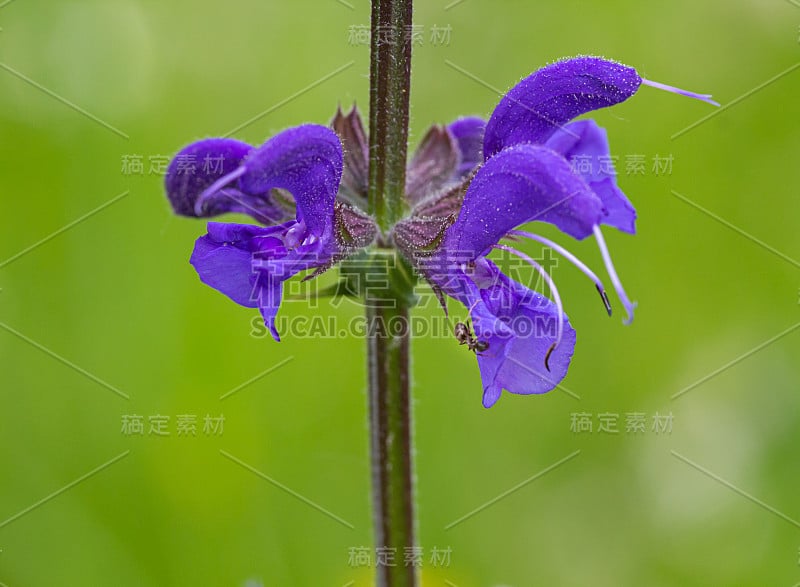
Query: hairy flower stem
x=390 y=432
x=388 y=338
x=389 y=88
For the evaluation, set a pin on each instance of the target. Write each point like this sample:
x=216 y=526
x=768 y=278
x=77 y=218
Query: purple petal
x=250 y=263
x=276 y=266
x=196 y=167
x=552 y=96
x=226 y=269
x=620 y=213
x=585 y=145
x=519 y=185
x=468 y=132
x=246 y=236
x=223 y=259
x=518 y=366
x=199 y=166
x=516 y=361
x=305 y=160
x=519 y=325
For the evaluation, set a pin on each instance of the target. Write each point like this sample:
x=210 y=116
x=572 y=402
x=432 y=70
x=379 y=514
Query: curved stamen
x=553 y=291
x=612 y=273
x=674 y=90
x=265 y=215
x=472 y=307
x=216 y=186
x=572 y=259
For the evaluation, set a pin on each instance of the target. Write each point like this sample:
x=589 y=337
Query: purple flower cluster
x=470 y=185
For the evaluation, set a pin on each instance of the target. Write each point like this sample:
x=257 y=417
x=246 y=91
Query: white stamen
x=215 y=187
x=472 y=307
x=553 y=291
x=572 y=259
x=612 y=273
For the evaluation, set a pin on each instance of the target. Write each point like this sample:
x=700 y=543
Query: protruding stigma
x=703 y=97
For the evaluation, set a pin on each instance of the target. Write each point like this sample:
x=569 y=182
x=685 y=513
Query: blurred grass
x=115 y=294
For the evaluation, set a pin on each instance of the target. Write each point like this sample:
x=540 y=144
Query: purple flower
x=469 y=186
x=522 y=174
x=290 y=183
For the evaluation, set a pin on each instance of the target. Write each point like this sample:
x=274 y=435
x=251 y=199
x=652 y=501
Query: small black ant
x=464 y=336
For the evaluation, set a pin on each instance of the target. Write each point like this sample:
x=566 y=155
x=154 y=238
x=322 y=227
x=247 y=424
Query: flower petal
x=223 y=259
x=585 y=145
x=518 y=185
x=468 y=132
x=552 y=96
x=196 y=167
x=307 y=161
x=515 y=358
x=250 y=263
x=276 y=266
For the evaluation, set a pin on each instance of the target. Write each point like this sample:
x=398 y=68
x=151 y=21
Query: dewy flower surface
x=469 y=186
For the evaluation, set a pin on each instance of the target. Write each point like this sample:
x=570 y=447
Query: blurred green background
x=713 y=501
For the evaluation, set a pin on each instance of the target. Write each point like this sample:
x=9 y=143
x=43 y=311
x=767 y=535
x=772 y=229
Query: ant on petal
x=464 y=335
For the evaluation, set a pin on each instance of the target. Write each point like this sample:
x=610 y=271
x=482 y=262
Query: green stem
x=390 y=431
x=388 y=340
x=390 y=85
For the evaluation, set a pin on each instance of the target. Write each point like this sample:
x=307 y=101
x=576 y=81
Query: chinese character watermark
x=159 y=425
x=634 y=164
x=580 y=422
x=440 y=35
x=608 y=423
x=134 y=164
x=662 y=165
x=412 y=556
x=132 y=425
x=187 y=425
x=662 y=423
x=635 y=423
x=360 y=35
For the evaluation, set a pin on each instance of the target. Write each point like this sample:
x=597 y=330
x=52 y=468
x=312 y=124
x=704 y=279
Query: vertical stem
x=388 y=340
x=390 y=431
x=390 y=85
